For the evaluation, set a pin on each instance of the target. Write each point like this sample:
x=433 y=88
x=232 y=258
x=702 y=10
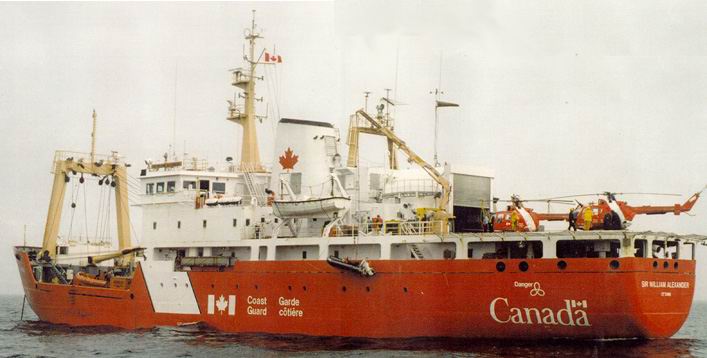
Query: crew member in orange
x=514 y=221
x=377 y=223
x=588 y=218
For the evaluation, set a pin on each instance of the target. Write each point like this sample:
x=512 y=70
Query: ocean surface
x=30 y=338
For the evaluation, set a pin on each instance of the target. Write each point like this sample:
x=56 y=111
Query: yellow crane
x=441 y=215
x=66 y=163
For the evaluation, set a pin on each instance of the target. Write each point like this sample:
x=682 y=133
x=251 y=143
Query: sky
x=556 y=97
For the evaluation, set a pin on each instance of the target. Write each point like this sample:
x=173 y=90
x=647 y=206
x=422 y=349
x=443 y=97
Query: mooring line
x=22 y=314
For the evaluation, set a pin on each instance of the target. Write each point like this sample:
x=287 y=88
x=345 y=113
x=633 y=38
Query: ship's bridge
x=211 y=182
x=202 y=203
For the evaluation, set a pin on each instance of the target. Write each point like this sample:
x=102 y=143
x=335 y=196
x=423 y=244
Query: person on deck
x=514 y=221
x=588 y=218
x=572 y=218
x=377 y=223
x=485 y=221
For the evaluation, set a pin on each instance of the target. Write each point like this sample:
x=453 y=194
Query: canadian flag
x=273 y=58
x=221 y=304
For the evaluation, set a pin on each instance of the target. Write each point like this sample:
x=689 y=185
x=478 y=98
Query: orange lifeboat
x=83 y=279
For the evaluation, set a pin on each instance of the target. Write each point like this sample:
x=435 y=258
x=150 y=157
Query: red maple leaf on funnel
x=288 y=160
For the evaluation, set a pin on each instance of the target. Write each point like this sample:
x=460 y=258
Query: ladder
x=416 y=252
x=253 y=188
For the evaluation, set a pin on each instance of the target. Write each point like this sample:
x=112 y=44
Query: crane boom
x=442 y=214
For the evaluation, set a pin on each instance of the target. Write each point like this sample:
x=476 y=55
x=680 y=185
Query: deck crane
x=442 y=215
x=66 y=163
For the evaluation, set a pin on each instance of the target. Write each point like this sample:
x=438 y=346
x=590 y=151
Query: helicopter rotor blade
x=611 y=193
x=575 y=196
x=558 y=201
x=663 y=194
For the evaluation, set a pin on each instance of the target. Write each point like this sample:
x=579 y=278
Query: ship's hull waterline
x=588 y=299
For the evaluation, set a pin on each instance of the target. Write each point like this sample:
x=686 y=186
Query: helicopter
x=527 y=218
x=612 y=214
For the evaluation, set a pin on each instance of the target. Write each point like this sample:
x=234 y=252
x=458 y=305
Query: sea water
x=31 y=338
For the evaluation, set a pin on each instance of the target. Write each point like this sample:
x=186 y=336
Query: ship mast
x=245 y=80
x=93 y=138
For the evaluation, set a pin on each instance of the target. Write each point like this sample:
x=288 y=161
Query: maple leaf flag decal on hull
x=221 y=304
x=288 y=160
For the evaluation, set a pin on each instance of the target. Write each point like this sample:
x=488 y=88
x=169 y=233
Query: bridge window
x=247 y=222
x=218 y=188
x=203 y=223
x=179 y=224
x=154 y=225
x=160 y=187
x=235 y=222
x=170 y=186
x=204 y=185
x=150 y=188
x=189 y=184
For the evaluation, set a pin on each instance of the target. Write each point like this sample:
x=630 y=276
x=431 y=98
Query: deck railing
x=410 y=186
x=394 y=228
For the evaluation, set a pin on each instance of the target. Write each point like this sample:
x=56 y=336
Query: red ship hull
x=588 y=299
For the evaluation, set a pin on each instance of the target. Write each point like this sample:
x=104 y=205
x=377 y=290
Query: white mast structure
x=245 y=80
x=438 y=92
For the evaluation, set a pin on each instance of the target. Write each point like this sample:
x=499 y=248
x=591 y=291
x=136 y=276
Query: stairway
x=416 y=252
x=59 y=273
x=254 y=188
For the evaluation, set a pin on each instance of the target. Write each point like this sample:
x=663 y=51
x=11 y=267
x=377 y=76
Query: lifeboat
x=83 y=279
x=327 y=206
x=316 y=207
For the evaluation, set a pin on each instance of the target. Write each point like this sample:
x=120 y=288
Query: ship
x=318 y=244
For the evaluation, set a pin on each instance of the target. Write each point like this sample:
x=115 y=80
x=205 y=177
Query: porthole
x=237 y=286
x=289 y=288
x=132 y=296
x=186 y=285
x=405 y=289
x=665 y=264
x=304 y=288
x=175 y=285
x=655 y=264
x=368 y=289
x=212 y=285
x=500 y=267
x=614 y=264
x=162 y=285
x=523 y=266
x=561 y=265
x=256 y=287
x=343 y=288
x=675 y=265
